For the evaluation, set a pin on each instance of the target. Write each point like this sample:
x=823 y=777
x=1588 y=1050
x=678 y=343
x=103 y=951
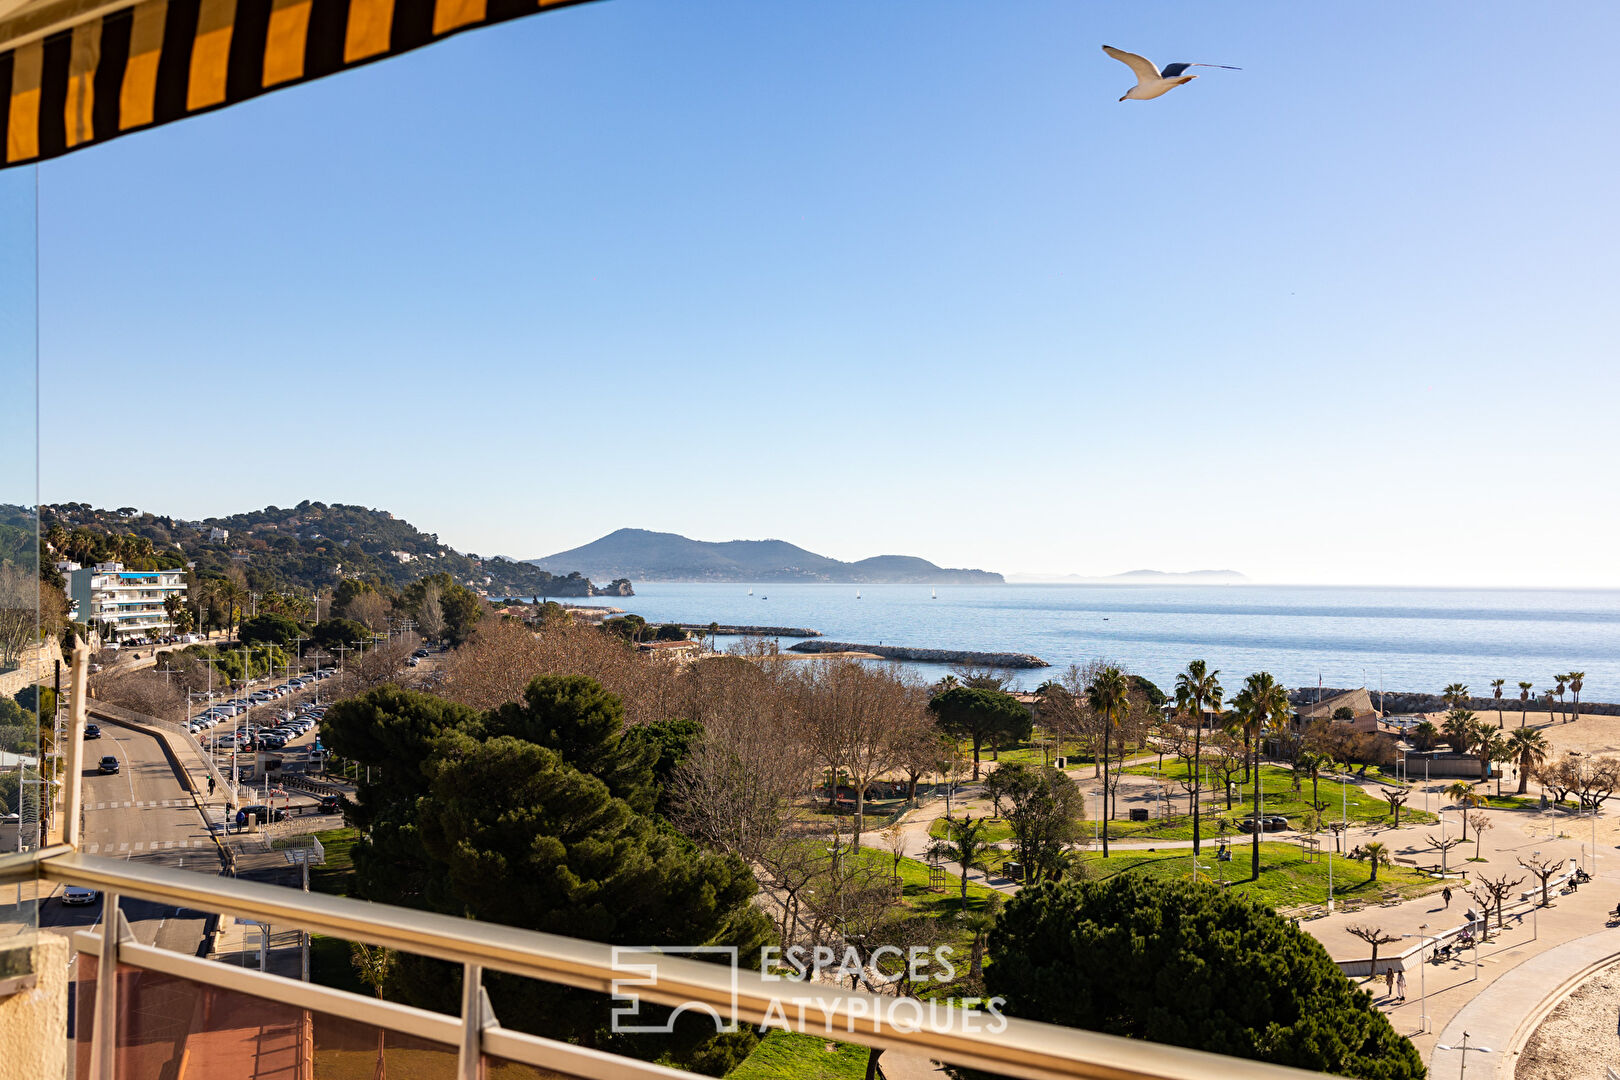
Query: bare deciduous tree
x=19 y=613
x=1374 y=936
x=853 y=717
x=147 y=692
x=1543 y=869
x=371 y=610
x=1493 y=892
x=1444 y=848
x=1480 y=821
x=430 y=615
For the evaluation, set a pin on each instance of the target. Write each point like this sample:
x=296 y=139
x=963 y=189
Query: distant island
x=655 y=556
x=1167 y=577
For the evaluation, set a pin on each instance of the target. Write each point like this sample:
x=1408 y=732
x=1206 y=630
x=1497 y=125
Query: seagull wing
x=1145 y=71
x=1172 y=70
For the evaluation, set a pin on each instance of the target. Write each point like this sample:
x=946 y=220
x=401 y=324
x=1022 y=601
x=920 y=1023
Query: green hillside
x=308 y=546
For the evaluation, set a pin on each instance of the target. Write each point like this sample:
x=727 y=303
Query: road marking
x=94 y=848
x=170 y=843
x=123 y=847
x=141 y=846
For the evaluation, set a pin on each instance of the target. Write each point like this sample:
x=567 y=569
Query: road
x=140 y=813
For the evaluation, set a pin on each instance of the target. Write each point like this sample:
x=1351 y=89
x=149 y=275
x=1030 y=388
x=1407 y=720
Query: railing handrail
x=1023 y=1048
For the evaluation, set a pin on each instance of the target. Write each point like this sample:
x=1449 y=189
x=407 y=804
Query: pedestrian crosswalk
x=143 y=845
x=138 y=805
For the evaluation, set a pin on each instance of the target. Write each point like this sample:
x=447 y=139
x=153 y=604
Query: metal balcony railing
x=1022 y=1049
x=1013 y=1048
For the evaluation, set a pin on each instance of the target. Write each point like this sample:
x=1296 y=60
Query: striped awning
x=77 y=72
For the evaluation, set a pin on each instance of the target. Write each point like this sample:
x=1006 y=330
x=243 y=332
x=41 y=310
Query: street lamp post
x=1462 y=1072
x=1423 y=978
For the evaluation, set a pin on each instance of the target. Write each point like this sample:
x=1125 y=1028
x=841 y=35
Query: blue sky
x=888 y=277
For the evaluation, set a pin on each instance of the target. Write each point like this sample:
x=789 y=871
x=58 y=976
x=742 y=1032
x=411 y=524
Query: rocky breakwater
x=925 y=656
x=749 y=631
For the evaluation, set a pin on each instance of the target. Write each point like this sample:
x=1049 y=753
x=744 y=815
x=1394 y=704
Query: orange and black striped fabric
x=164 y=60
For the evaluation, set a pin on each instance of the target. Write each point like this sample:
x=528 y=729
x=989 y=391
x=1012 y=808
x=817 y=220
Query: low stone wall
x=37 y=668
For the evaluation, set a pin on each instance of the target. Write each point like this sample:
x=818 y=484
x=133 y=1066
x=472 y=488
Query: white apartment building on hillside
x=128 y=601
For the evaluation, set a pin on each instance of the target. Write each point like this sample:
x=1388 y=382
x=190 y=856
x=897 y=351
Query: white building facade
x=129 y=602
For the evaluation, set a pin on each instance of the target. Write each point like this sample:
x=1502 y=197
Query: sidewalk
x=1504 y=1014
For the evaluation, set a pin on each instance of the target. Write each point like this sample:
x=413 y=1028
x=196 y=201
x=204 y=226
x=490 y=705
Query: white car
x=77 y=895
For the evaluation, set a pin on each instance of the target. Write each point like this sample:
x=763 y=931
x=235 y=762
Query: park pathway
x=1504 y=1014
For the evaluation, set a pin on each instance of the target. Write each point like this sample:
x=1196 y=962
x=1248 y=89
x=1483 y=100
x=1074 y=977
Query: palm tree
x=1496 y=692
x=1463 y=794
x=965 y=843
x=1455 y=695
x=1530 y=747
x=1524 y=699
x=1313 y=764
x=1426 y=734
x=1575 y=680
x=1490 y=747
x=1461 y=730
x=1108 y=695
x=1195 y=688
x=1560 y=680
x=1261 y=703
x=1377 y=854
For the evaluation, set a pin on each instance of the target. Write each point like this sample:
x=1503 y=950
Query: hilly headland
x=642 y=555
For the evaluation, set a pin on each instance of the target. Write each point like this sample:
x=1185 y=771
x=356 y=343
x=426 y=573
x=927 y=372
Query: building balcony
x=166 y=1011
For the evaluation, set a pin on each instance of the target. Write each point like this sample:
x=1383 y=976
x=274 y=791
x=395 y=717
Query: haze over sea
x=1407 y=638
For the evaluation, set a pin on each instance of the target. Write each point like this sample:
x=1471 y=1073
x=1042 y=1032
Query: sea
x=1400 y=639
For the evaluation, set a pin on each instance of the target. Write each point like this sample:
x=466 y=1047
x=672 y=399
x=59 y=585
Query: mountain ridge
x=663 y=556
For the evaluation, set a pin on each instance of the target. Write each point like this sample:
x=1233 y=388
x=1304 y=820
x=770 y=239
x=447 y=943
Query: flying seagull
x=1150 y=81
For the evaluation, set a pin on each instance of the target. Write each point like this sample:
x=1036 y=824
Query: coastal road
x=141 y=813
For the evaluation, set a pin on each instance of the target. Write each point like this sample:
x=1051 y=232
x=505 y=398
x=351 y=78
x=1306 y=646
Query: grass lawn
x=915 y=891
x=329 y=963
x=996 y=831
x=1286 y=879
x=333 y=878
x=1279 y=797
x=789 y=1055
x=1512 y=802
x=1031 y=752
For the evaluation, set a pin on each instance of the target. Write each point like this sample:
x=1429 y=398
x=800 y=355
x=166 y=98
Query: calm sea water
x=1406 y=639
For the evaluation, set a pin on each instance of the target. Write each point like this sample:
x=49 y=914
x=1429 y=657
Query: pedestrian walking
x=1389 y=982
x=210 y=785
x=1445 y=894
x=1400 y=984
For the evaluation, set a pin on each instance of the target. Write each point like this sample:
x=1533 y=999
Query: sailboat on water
x=750 y=592
x=933 y=594
x=857 y=594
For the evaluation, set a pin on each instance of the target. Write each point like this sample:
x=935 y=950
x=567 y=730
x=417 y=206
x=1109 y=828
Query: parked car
x=260 y=813
x=78 y=894
x=331 y=804
x=92 y=731
x=109 y=764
